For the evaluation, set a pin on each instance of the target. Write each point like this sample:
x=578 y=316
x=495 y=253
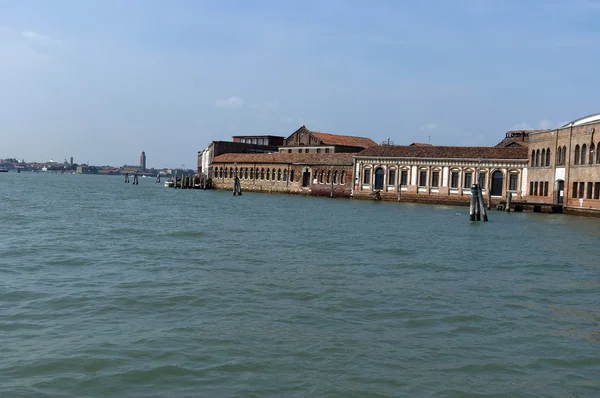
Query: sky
x=104 y=80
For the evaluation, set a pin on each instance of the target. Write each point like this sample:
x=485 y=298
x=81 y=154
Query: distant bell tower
x=143 y=161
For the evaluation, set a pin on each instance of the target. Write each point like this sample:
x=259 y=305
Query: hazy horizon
x=104 y=80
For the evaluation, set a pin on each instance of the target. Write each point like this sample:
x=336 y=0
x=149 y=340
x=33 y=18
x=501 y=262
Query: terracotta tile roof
x=345 y=140
x=420 y=144
x=445 y=152
x=286 y=158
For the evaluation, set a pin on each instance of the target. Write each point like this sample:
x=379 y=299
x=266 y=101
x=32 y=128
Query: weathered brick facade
x=564 y=167
x=301 y=174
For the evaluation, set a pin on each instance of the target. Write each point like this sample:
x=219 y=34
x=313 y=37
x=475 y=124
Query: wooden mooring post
x=126 y=178
x=135 y=179
x=508 y=201
x=158 y=178
x=477 y=207
x=237 y=187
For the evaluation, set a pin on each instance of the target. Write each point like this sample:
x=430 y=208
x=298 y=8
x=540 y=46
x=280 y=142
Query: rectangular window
x=435 y=179
x=481 y=180
x=318 y=150
x=392 y=177
x=306 y=150
x=574 y=190
x=513 y=181
x=300 y=150
x=404 y=178
x=423 y=178
x=530 y=188
x=326 y=150
x=581 y=189
x=589 y=190
x=546 y=188
x=454 y=180
x=468 y=180
x=597 y=190
x=535 y=188
x=366 y=176
x=289 y=151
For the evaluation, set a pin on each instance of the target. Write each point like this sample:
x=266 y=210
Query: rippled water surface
x=114 y=290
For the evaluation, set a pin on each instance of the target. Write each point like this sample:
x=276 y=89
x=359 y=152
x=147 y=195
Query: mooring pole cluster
x=477 y=207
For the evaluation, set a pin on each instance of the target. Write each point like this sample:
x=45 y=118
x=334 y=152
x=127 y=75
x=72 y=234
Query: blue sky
x=104 y=80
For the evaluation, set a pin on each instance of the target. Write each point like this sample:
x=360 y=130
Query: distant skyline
x=104 y=80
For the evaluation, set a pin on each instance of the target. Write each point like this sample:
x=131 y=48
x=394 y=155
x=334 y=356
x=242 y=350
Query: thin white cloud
x=231 y=103
x=35 y=36
x=427 y=127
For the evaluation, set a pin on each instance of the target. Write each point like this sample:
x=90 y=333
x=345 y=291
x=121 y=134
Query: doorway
x=560 y=192
x=497 y=182
x=306 y=179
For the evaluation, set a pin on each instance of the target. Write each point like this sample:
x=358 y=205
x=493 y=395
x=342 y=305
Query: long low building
x=439 y=174
x=319 y=174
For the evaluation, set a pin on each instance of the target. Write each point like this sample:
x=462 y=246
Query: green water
x=114 y=290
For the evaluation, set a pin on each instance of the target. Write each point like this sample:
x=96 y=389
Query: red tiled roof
x=445 y=152
x=420 y=144
x=286 y=158
x=345 y=140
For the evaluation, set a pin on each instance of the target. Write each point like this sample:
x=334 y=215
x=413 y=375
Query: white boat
x=169 y=184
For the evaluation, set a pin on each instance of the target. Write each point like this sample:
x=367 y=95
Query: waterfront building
x=321 y=174
x=304 y=140
x=564 y=166
x=216 y=148
x=143 y=161
x=440 y=174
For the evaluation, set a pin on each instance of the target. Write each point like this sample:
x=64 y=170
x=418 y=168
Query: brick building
x=304 y=140
x=270 y=140
x=217 y=148
x=564 y=166
x=292 y=173
x=439 y=174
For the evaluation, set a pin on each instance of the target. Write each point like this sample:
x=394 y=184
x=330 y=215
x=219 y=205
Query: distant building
x=143 y=161
x=217 y=148
x=304 y=140
x=71 y=161
x=271 y=140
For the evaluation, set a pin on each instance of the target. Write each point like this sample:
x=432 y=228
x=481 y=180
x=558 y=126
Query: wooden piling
x=482 y=205
x=126 y=178
x=331 y=193
x=473 y=201
x=508 y=201
x=237 y=187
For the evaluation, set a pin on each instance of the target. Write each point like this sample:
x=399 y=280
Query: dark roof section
x=286 y=158
x=445 y=152
x=343 y=140
x=420 y=144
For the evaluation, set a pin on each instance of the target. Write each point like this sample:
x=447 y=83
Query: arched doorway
x=379 y=173
x=560 y=191
x=497 y=183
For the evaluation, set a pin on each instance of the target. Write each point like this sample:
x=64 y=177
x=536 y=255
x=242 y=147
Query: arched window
x=278 y=174
x=576 y=155
x=292 y=176
x=592 y=150
x=335 y=177
x=328 y=176
x=236 y=173
x=537 y=158
x=598 y=154
x=262 y=174
x=231 y=172
x=583 y=154
x=227 y=172
x=268 y=174
x=343 y=177
x=321 y=176
x=379 y=175
x=221 y=173
x=533 y=158
x=285 y=175
x=246 y=173
x=252 y=173
x=564 y=155
x=543 y=158
x=558 y=156
x=498 y=182
x=548 y=157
